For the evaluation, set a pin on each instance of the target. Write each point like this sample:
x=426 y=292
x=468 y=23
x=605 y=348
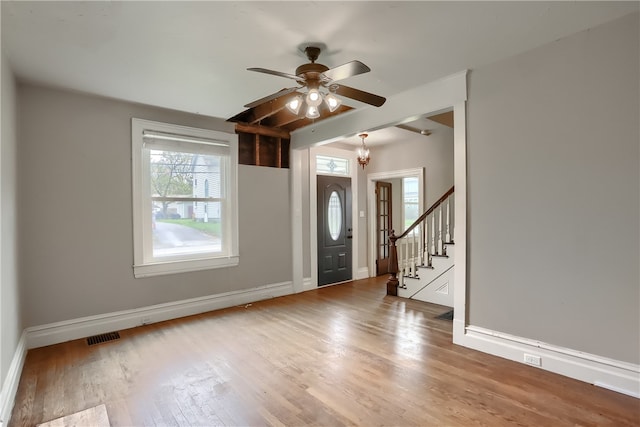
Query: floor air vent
x=97 y=339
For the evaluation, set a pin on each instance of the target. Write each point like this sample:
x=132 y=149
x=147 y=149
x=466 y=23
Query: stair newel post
x=402 y=260
x=392 y=282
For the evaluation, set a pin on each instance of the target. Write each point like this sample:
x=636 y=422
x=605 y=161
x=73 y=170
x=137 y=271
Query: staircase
x=422 y=258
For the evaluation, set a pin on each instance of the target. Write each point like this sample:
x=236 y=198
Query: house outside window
x=179 y=225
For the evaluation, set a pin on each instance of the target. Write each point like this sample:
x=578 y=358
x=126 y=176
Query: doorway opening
x=335 y=238
x=333 y=192
x=397 y=218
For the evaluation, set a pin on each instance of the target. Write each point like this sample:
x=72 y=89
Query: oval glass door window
x=334 y=215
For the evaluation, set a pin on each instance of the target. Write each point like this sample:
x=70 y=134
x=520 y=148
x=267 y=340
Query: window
x=410 y=201
x=179 y=226
x=332 y=165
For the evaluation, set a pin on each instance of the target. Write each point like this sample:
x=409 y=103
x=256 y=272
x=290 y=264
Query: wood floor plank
x=337 y=356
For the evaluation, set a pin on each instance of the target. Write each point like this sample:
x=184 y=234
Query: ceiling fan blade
x=360 y=95
x=273 y=96
x=275 y=73
x=349 y=69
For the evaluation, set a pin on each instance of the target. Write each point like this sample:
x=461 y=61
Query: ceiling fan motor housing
x=311 y=72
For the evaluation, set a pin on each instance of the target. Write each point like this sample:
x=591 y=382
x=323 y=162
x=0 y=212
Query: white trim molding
x=54 y=333
x=362 y=273
x=604 y=372
x=12 y=380
x=307 y=284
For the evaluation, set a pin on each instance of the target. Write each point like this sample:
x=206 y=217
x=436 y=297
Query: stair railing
x=419 y=243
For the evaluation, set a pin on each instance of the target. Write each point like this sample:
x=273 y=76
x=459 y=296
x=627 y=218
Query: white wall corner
x=59 y=332
x=611 y=374
x=12 y=380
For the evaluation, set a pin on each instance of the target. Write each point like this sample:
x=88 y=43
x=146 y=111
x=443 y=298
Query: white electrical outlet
x=530 y=359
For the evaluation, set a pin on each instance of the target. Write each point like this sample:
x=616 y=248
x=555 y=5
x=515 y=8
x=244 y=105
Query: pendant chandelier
x=363 y=152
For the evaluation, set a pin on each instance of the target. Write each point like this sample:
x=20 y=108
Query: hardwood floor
x=339 y=355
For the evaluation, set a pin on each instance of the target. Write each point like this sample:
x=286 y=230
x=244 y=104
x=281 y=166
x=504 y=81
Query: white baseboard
x=362 y=273
x=67 y=330
x=12 y=380
x=307 y=284
x=611 y=374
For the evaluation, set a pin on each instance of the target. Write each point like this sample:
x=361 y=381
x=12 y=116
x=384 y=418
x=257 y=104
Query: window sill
x=174 y=267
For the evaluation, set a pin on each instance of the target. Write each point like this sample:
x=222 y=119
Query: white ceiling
x=192 y=56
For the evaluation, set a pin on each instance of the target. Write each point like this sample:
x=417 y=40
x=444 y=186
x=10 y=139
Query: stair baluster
x=427 y=246
x=447 y=237
x=416 y=253
x=433 y=234
x=421 y=246
x=440 y=231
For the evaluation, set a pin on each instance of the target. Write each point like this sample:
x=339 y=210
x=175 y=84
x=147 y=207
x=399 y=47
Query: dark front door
x=383 y=226
x=334 y=229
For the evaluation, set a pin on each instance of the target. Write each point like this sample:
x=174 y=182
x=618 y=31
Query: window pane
x=185 y=227
x=410 y=201
x=332 y=165
x=334 y=216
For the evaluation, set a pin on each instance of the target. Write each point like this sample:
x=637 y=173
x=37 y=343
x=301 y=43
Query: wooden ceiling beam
x=268 y=109
x=263 y=130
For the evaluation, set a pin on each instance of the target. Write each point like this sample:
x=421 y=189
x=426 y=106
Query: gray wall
x=76 y=252
x=553 y=176
x=434 y=153
x=11 y=325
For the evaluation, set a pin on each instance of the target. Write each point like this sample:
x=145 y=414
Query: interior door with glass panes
x=383 y=226
x=335 y=235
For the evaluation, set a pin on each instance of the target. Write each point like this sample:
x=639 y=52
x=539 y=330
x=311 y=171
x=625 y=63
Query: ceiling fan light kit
x=312 y=112
x=295 y=104
x=333 y=102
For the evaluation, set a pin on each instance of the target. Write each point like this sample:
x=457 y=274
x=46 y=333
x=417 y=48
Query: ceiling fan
x=315 y=76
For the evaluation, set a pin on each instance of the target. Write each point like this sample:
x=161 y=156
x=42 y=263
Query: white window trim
x=142 y=209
